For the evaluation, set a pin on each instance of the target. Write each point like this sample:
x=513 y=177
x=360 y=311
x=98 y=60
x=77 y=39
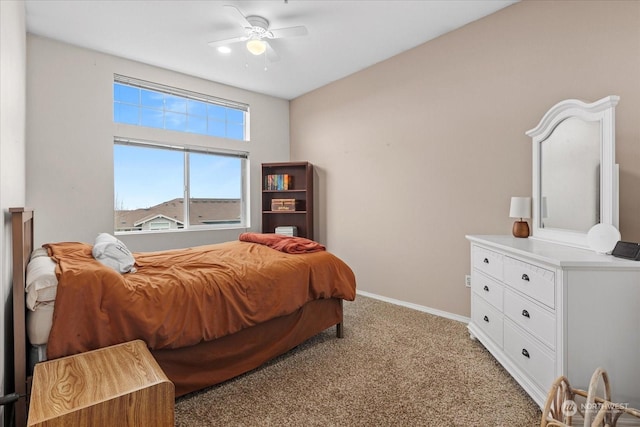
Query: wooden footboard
x=22 y=243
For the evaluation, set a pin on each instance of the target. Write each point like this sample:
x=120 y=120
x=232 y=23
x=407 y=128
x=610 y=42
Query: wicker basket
x=560 y=406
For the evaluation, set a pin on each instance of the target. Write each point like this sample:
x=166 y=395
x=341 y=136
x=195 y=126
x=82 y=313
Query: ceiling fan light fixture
x=224 y=49
x=256 y=46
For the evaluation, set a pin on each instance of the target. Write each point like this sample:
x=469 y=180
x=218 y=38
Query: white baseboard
x=422 y=308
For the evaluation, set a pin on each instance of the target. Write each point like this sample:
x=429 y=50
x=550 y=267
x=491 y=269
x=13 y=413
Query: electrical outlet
x=467 y=281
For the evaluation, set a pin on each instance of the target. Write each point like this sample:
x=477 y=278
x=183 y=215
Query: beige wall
x=70 y=142
x=417 y=151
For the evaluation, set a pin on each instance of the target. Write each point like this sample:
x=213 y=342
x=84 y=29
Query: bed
x=207 y=313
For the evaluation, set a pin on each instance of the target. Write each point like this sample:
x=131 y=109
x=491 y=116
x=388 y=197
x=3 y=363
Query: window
x=141 y=103
x=152 y=183
x=169 y=187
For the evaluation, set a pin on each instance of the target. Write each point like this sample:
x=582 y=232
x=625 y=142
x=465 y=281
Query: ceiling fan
x=257 y=34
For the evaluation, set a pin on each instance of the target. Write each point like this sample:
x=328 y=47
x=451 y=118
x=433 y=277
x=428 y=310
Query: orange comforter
x=179 y=298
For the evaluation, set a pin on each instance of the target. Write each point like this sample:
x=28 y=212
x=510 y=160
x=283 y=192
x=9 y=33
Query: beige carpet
x=394 y=367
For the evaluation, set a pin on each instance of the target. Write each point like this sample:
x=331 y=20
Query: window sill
x=195 y=229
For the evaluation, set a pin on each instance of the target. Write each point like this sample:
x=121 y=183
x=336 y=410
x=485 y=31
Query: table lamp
x=520 y=208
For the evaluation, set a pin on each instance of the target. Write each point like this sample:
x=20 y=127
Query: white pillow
x=113 y=253
x=39 y=252
x=42 y=283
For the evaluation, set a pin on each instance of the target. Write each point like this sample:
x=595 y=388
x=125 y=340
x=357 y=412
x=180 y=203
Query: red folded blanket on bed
x=287 y=244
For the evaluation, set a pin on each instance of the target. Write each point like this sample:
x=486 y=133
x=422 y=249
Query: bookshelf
x=288 y=180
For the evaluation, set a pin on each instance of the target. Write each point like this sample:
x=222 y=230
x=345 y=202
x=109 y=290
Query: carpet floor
x=394 y=367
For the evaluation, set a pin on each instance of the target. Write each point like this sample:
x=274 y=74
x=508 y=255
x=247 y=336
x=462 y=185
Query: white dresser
x=544 y=310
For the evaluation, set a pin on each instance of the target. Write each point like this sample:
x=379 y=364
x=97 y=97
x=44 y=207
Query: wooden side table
x=121 y=385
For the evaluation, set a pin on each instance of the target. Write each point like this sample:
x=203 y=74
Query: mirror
x=570 y=176
x=574 y=173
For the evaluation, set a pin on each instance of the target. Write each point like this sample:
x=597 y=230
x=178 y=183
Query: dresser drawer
x=487 y=261
x=488 y=289
x=487 y=318
x=534 y=281
x=531 y=317
x=530 y=356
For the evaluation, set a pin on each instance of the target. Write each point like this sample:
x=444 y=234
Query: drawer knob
x=486 y=288
x=525 y=353
x=525 y=313
x=486 y=261
x=486 y=319
x=525 y=277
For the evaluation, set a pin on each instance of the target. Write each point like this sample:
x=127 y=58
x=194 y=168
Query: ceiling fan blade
x=272 y=55
x=239 y=16
x=288 y=32
x=224 y=42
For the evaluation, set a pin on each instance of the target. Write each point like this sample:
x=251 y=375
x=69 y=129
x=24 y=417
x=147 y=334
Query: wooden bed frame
x=22 y=243
x=190 y=368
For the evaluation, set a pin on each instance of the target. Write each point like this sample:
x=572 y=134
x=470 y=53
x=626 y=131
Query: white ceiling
x=344 y=36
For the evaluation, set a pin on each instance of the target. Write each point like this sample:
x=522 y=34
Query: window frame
x=186 y=95
x=186 y=150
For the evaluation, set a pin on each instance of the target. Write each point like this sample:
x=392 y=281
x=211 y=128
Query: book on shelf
x=278 y=182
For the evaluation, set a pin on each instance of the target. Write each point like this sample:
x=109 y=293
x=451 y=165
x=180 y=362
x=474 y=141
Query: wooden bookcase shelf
x=301 y=189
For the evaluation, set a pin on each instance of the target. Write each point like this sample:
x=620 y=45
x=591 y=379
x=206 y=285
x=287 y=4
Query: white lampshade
x=256 y=47
x=520 y=207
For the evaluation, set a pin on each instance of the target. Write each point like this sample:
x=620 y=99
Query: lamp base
x=521 y=229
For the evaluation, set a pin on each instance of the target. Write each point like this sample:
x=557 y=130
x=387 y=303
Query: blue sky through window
x=143 y=107
x=147 y=176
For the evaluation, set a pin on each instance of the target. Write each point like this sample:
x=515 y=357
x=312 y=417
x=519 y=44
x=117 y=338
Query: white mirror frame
x=603 y=111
